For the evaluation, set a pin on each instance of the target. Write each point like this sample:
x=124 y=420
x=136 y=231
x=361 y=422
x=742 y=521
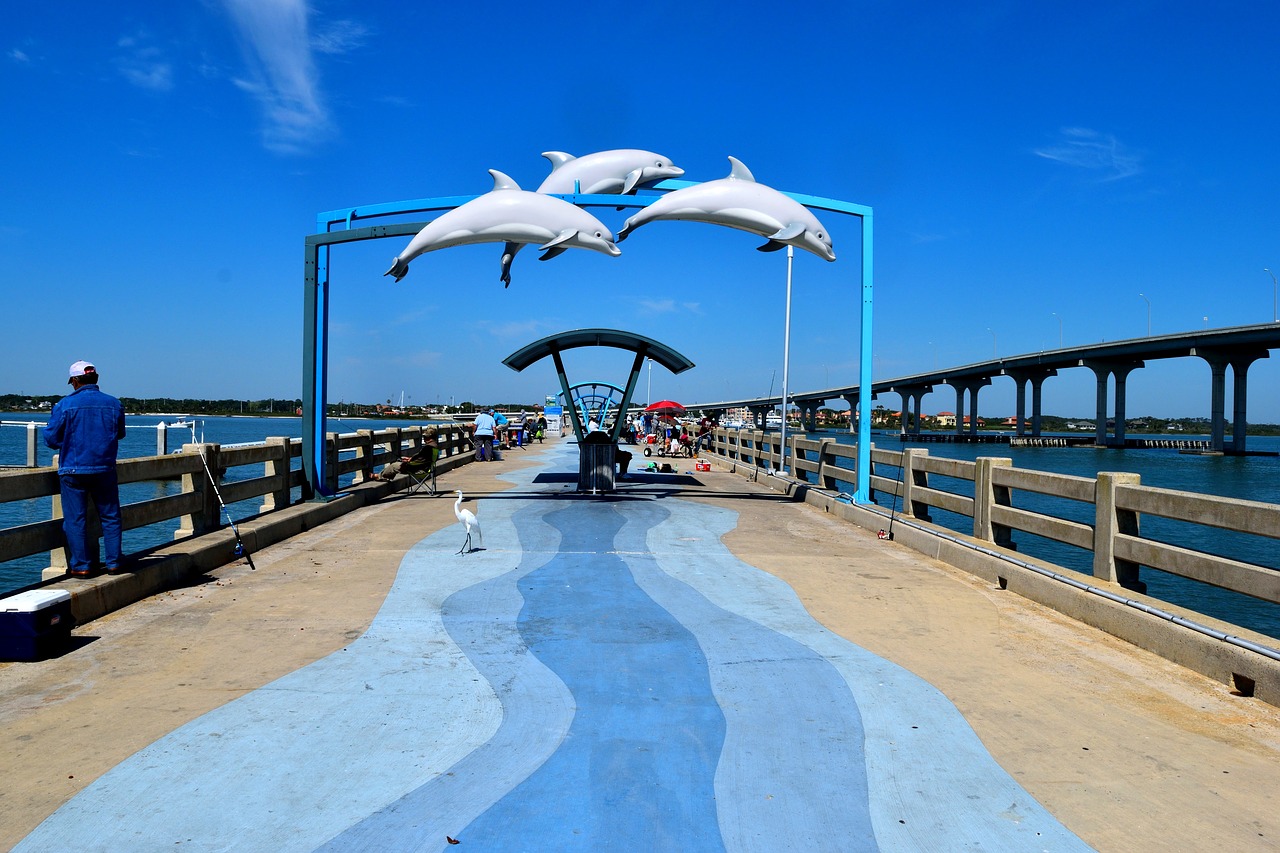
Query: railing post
x=364 y=452
x=1107 y=523
x=58 y=557
x=331 y=462
x=162 y=439
x=827 y=481
x=207 y=518
x=914 y=476
x=987 y=494
x=31 y=444
x=278 y=468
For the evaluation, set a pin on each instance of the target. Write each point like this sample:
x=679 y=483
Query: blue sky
x=1033 y=168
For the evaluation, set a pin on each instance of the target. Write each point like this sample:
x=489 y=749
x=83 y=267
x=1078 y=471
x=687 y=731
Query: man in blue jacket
x=85 y=428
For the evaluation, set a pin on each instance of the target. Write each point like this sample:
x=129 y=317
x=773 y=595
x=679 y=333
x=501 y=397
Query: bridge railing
x=181 y=498
x=1122 y=525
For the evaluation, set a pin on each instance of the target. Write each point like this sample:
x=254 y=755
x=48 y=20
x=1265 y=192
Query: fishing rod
x=241 y=551
x=897 y=487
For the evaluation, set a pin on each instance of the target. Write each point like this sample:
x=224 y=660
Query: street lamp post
x=1059 y=316
x=1274 y=290
x=786 y=357
x=995 y=345
x=1148 y=301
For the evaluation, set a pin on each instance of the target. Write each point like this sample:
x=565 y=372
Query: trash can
x=35 y=624
x=597 y=455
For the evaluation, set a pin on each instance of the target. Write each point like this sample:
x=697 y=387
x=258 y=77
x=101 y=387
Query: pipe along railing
x=169 y=488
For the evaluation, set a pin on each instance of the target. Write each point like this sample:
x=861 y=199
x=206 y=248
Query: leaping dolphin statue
x=616 y=172
x=739 y=202
x=510 y=215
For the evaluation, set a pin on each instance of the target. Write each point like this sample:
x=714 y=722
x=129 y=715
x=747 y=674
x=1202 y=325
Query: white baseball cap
x=81 y=368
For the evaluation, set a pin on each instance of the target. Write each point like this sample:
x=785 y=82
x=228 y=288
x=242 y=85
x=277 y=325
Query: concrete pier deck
x=694 y=663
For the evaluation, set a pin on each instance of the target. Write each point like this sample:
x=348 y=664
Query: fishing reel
x=885 y=534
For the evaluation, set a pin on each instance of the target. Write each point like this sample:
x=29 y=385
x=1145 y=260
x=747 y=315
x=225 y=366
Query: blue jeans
x=104 y=491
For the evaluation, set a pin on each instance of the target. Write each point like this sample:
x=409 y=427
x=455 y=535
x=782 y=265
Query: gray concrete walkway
x=693 y=664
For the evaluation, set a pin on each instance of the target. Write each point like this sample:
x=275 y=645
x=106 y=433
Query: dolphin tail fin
x=508 y=255
x=399 y=268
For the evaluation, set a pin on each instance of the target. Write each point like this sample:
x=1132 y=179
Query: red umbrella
x=665 y=407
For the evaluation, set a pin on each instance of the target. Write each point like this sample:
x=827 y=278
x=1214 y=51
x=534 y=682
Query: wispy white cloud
x=517 y=329
x=339 y=37
x=143 y=64
x=658 y=306
x=18 y=55
x=1100 y=153
x=669 y=306
x=281 y=72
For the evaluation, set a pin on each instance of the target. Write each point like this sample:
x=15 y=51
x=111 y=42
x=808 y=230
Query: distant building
x=945 y=419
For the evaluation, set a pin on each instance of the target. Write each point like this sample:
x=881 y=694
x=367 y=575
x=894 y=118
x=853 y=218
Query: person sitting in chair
x=422 y=458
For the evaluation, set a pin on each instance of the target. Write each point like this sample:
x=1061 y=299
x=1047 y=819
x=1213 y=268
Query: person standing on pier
x=482 y=431
x=85 y=428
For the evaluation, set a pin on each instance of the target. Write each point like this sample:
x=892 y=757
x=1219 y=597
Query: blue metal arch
x=321 y=478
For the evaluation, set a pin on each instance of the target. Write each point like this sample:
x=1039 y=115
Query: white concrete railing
x=987 y=493
x=195 y=505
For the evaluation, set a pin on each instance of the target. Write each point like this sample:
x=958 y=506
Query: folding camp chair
x=422 y=476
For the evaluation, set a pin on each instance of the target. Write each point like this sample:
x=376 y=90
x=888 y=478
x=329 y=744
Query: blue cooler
x=35 y=624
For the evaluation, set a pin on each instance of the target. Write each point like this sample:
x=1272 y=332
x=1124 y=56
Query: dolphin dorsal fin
x=558 y=158
x=740 y=172
x=503 y=182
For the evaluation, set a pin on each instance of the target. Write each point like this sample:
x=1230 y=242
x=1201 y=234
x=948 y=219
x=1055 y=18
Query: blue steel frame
x=322 y=480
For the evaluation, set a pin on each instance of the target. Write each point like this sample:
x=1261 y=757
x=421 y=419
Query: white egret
x=468 y=518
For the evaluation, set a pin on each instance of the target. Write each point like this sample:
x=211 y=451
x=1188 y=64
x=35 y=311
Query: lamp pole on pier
x=1059 y=316
x=1274 y=289
x=786 y=357
x=1148 y=301
x=995 y=344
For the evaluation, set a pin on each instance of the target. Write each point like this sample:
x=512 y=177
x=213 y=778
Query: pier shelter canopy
x=554 y=345
x=339 y=226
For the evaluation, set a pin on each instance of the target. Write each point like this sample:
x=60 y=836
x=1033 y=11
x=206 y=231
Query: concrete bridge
x=1234 y=348
x=663 y=670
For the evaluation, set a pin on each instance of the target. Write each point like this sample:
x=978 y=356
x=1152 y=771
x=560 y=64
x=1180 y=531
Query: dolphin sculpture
x=510 y=215
x=616 y=172
x=739 y=202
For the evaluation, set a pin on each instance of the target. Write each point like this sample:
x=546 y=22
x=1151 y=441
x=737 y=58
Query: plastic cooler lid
x=33 y=600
